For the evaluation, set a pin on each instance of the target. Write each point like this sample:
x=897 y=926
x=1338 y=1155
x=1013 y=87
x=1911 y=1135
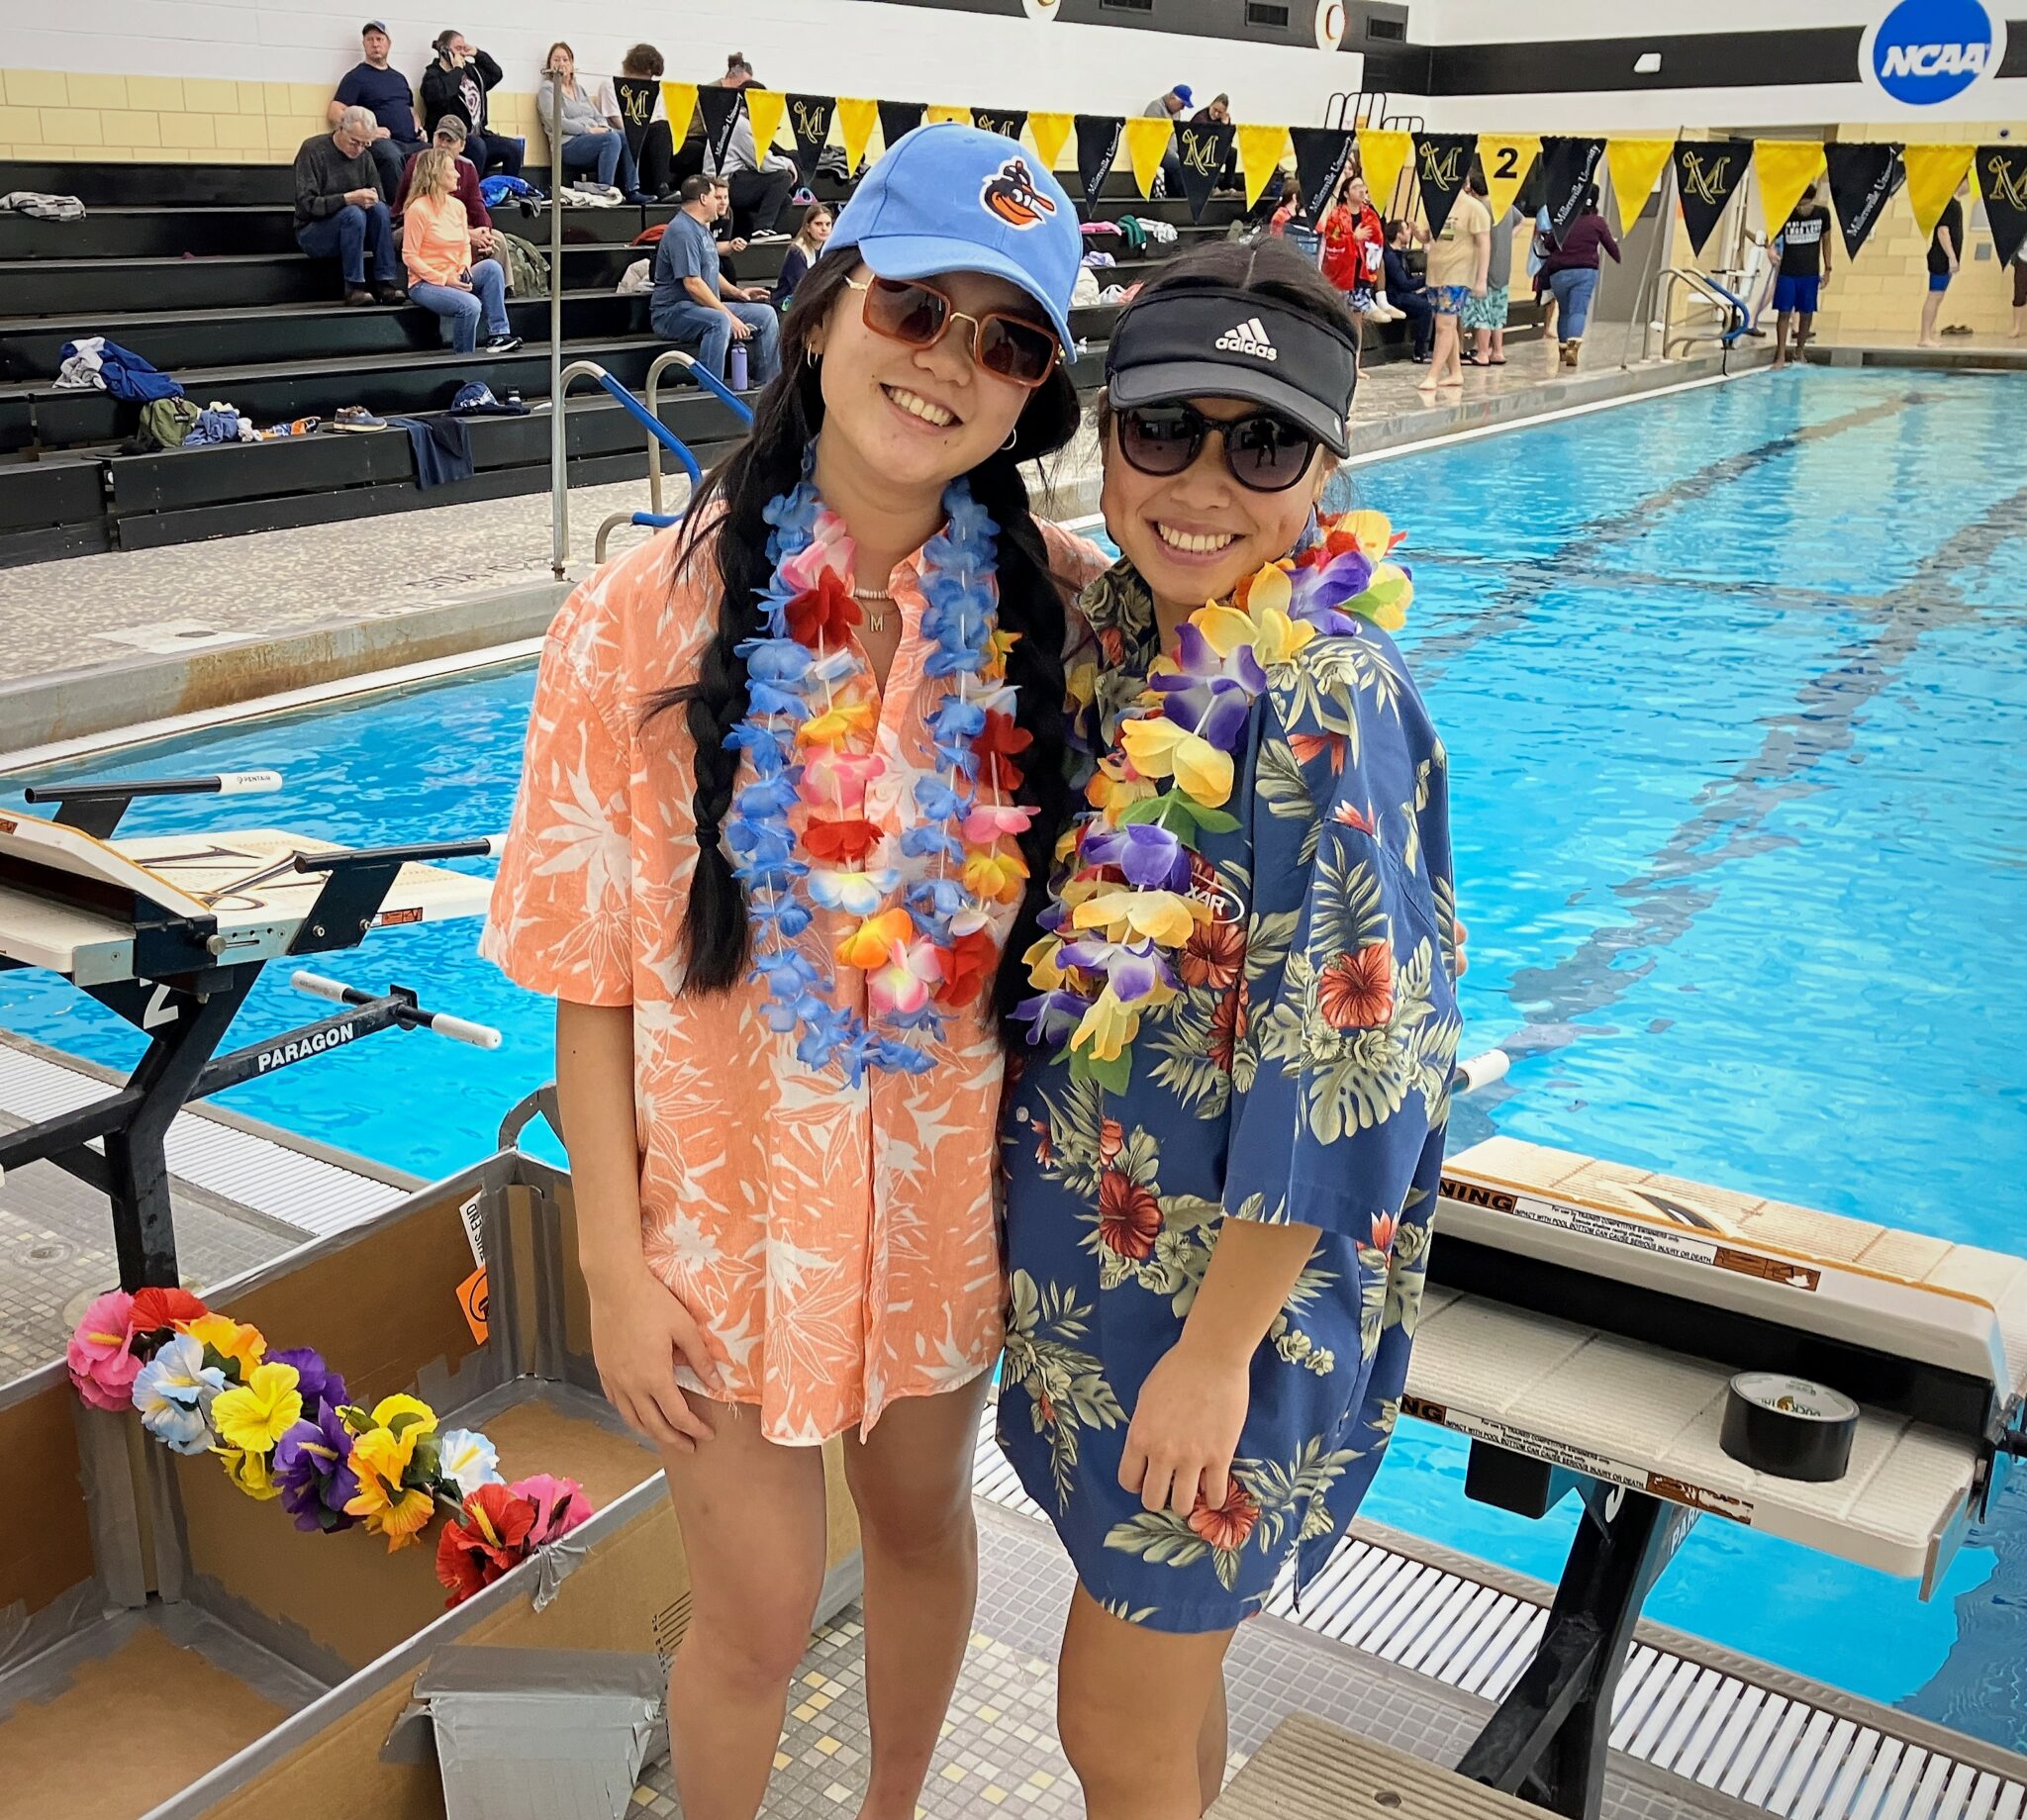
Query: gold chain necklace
x=868 y=596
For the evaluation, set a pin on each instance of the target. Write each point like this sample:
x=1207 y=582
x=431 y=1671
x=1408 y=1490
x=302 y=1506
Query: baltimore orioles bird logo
x=1011 y=194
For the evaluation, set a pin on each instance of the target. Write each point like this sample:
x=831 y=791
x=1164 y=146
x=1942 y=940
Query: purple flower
x=310 y=1468
x=1215 y=708
x=1330 y=584
x=1198 y=659
x=317 y=1382
x=1148 y=856
x=1134 y=968
x=1051 y=1017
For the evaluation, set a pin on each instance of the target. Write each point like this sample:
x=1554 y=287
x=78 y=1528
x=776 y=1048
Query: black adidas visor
x=1188 y=342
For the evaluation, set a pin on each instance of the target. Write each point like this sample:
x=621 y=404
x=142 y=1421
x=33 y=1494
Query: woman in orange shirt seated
x=436 y=246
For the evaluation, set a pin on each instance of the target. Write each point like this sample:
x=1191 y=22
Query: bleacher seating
x=196 y=268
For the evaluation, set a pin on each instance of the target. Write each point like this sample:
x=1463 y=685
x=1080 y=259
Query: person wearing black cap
x=1223 y=1155
x=378 y=86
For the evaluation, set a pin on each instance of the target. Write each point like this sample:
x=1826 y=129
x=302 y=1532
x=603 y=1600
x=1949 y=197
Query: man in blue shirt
x=693 y=304
x=383 y=91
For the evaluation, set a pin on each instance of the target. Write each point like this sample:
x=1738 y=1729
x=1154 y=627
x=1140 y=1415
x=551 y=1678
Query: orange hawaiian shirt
x=839 y=1244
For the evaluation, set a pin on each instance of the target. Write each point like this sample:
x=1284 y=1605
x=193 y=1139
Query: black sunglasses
x=1265 y=453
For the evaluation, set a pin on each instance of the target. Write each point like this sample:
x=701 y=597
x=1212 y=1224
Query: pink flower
x=103 y=1366
x=828 y=551
x=560 y=1506
x=836 y=781
x=903 y=985
x=989 y=821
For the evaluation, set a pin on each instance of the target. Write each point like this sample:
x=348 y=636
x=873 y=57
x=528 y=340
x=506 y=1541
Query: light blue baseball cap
x=950 y=198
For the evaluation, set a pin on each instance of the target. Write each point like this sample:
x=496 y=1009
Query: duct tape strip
x=1789 y=1426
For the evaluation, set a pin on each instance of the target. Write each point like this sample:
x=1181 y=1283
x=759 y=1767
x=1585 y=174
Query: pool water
x=1735 y=687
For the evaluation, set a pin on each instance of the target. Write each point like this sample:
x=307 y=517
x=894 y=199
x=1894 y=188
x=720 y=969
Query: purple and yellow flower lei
x=1121 y=908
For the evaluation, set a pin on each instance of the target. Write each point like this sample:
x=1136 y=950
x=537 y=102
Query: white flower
x=173 y=1393
x=468 y=1458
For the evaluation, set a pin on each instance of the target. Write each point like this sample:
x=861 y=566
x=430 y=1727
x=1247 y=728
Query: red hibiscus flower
x=1224 y=1030
x=1306 y=746
x=1112 y=1135
x=154 y=1309
x=996 y=747
x=1214 y=956
x=1226 y=1525
x=969 y=963
x=1128 y=1216
x=491 y=1540
x=1356 y=990
x=850 y=839
x=824 y=614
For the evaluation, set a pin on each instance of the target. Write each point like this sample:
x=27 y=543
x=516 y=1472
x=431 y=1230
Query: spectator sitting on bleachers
x=694 y=306
x=592 y=129
x=459 y=82
x=341 y=212
x=1218 y=112
x=450 y=137
x=1170 y=107
x=383 y=91
x=760 y=187
x=444 y=275
x=655 y=158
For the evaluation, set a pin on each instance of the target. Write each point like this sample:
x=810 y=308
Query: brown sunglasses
x=917 y=315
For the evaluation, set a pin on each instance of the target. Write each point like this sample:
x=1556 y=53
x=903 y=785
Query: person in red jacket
x=1354 y=252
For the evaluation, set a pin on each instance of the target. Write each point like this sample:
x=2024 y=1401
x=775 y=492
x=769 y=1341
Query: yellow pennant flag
x=1508 y=157
x=939 y=116
x=1147 y=139
x=1382 y=158
x=765 y=108
x=1786 y=167
x=1261 y=149
x=679 y=102
x=1051 y=133
x=857 y=118
x=1933 y=173
x=1636 y=165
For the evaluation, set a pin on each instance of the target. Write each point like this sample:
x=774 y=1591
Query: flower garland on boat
x=1121 y=909
x=280 y=1423
x=811 y=733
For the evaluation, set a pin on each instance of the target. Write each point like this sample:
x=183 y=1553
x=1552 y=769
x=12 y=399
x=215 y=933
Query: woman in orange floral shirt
x=793 y=776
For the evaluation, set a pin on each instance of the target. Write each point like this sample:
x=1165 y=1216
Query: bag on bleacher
x=528 y=272
x=638 y=279
x=165 y=422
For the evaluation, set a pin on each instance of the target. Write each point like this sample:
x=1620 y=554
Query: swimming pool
x=1735 y=687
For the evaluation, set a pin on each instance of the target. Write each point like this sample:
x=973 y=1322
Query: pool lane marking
x=313 y=694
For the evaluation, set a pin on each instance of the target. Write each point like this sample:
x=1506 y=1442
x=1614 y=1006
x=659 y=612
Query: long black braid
x=728 y=510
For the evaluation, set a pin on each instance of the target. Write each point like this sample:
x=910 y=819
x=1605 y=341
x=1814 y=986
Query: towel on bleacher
x=41 y=205
x=92 y=362
x=440 y=446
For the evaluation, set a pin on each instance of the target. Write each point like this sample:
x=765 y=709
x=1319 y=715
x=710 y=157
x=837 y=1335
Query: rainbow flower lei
x=1122 y=907
x=280 y=1424
x=810 y=733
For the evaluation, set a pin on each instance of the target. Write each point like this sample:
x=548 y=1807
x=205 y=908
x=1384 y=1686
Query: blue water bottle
x=736 y=367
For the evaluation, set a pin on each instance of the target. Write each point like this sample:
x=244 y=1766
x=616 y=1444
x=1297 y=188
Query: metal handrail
x=710 y=381
x=1702 y=291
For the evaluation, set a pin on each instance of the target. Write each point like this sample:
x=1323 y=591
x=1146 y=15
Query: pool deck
x=105 y=641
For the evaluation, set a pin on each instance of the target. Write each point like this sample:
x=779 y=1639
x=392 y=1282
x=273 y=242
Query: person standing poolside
x=794 y=772
x=1223 y=1153
x=1487 y=314
x=1460 y=258
x=1945 y=254
x=1570 y=271
x=1805 y=270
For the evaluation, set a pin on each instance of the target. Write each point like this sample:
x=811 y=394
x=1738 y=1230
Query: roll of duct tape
x=1789 y=1426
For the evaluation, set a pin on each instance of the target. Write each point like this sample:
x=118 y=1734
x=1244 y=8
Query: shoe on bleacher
x=390 y=294
x=762 y=239
x=357 y=416
x=357 y=298
x=501 y=343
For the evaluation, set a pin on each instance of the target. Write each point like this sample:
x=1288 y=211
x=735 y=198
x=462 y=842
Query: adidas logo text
x=1248 y=338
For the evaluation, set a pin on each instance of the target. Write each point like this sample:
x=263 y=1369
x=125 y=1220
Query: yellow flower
x=388 y=1411
x=1081 y=685
x=257 y=1413
x=1042 y=966
x=1161 y=748
x=999 y=650
x=1373 y=530
x=1108 y=1028
x=1164 y=915
x=249 y=1471
x=873 y=943
x=1116 y=794
x=995 y=876
x=1386 y=597
x=228 y=1339
x=1275 y=638
x=833 y=723
x=379 y=1459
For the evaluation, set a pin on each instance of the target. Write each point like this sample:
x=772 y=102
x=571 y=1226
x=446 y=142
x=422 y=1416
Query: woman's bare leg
x=753 y=1531
x=912 y=1483
x=1139 y=1712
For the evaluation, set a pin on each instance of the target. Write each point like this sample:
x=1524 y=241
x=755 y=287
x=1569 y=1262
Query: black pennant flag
x=721 y=110
x=2001 y=172
x=1707 y=174
x=1204 y=148
x=1098 y=145
x=897 y=118
x=638 y=96
x=1863 y=180
x=1569 y=167
x=1320 y=155
x=808 y=118
x=1008 y=123
x=1442 y=160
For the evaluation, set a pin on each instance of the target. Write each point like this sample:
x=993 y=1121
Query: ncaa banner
x=1205 y=147
x=1442 y=162
x=1930 y=54
x=2001 y=172
x=1569 y=168
x=1320 y=155
x=808 y=118
x=1707 y=174
x=1864 y=178
x=1098 y=145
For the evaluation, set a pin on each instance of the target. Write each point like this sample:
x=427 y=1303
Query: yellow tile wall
x=56 y=114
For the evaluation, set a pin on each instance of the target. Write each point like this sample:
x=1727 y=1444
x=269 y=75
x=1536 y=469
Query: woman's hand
x=641 y=1331
x=1185 y=1428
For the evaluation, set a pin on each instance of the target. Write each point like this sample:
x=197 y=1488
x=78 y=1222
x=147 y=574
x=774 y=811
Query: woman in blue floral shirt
x=1224 y=1151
